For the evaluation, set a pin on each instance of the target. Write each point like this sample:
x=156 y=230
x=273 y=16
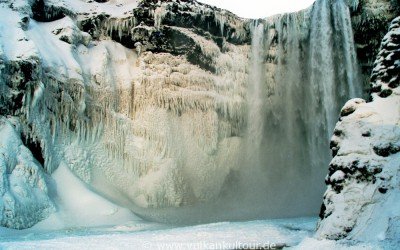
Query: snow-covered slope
x=363 y=197
x=24 y=187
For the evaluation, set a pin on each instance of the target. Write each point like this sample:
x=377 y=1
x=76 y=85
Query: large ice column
x=149 y=130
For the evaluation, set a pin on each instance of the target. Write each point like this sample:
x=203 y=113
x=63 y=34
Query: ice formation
x=24 y=188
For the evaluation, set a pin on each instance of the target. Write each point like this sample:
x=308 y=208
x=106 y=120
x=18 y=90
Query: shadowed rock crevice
x=45 y=13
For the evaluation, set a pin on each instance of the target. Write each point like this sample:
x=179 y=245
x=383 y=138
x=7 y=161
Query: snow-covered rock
x=363 y=197
x=24 y=187
x=370 y=19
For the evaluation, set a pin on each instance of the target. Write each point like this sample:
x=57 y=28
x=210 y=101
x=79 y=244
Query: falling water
x=351 y=70
x=255 y=94
x=303 y=69
x=322 y=80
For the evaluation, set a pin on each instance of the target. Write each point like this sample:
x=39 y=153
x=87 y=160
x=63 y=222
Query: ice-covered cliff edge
x=363 y=197
x=145 y=114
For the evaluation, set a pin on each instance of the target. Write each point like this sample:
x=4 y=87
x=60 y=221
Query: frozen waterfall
x=204 y=127
x=303 y=69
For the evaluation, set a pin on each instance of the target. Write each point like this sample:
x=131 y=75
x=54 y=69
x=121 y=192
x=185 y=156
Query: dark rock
x=386 y=149
x=369 y=29
x=43 y=13
x=335 y=151
x=385 y=93
x=394 y=83
x=24 y=23
x=366 y=134
x=382 y=190
x=347 y=111
x=337 y=132
x=34 y=147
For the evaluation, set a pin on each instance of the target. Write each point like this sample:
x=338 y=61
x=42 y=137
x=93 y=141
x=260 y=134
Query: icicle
x=37 y=95
x=159 y=14
x=220 y=19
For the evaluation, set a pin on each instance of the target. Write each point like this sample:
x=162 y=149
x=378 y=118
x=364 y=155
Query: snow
x=364 y=206
x=13 y=40
x=338 y=176
x=78 y=206
x=115 y=8
x=260 y=8
x=223 y=235
x=360 y=205
x=312 y=243
x=24 y=187
x=55 y=54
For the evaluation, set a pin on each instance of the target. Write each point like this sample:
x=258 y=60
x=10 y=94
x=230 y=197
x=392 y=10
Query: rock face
x=370 y=19
x=363 y=199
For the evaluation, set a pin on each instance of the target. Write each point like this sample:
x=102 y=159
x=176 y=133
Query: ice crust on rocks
x=24 y=186
x=363 y=199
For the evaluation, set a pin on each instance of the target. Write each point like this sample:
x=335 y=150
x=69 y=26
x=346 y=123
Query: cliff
x=362 y=199
x=126 y=95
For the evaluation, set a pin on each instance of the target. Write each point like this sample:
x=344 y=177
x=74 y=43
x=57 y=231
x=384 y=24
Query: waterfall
x=303 y=69
x=351 y=69
x=334 y=75
x=255 y=94
x=322 y=79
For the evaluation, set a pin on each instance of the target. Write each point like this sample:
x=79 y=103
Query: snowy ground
x=224 y=235
x=89 y=221
x=270 y=234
